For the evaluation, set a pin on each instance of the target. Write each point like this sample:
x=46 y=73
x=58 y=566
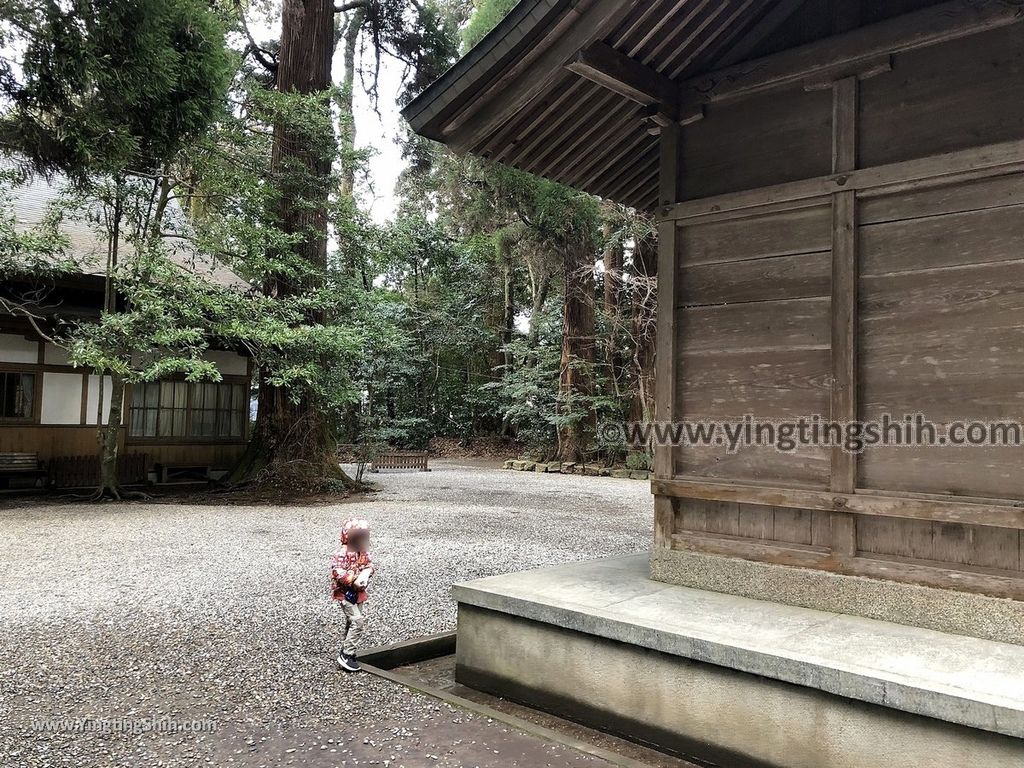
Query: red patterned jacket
x=345 y=567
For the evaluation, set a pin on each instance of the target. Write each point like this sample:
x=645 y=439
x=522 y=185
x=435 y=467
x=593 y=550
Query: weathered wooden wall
x=849 y=243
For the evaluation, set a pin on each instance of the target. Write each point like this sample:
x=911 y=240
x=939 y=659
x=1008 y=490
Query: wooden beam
x=510 y=137
x=83 y=416
x=602 y=64
x=866 y=69
x=776 y=553
x=568 y=159
x=669 y=186
x=690 y=9
x=684 y=35
x=928 y=171
x=555 y=124
x=845 y=97
x=843 y=475
x=570 y=125
x=946 y=510
x=990 y=582
x=847 y=54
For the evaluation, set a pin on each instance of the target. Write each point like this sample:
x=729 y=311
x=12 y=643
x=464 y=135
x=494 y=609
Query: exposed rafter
x=771 y=21
x=862 y=52
x=617 y=72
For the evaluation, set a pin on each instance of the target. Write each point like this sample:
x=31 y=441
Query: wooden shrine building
x=839 y=192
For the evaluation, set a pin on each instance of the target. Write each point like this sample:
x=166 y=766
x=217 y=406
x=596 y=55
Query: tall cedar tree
x=292 y=440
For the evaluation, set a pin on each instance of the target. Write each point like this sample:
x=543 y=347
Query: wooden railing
x=84 y=471
x=401 y=460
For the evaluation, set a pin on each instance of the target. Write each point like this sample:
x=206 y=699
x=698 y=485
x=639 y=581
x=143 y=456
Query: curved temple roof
x=572 y=90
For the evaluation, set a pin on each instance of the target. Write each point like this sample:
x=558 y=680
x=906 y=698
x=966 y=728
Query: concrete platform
x=740 y=681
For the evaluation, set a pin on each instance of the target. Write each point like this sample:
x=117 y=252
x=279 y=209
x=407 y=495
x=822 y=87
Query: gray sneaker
x=348 y=663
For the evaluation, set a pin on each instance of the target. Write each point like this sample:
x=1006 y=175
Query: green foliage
x=429 y=347
x=106 y=85
x=446 y=322
x=37 y=254
x=528 y=394
x=299 y=321
x=639 y=461
x=430 y=44
x=486 y=15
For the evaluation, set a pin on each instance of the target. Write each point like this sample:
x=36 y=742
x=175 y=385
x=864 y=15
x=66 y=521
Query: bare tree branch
x=344 y=7
x=259 y=53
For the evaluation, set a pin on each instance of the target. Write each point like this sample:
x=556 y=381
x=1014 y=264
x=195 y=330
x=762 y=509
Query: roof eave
x=427 y=113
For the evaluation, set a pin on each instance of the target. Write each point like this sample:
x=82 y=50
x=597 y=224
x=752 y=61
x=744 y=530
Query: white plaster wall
x=54 y=355
x=62 y=398
x=93 y=399
x=18 y=349
x=228 y=363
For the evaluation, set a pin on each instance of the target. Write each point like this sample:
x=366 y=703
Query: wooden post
x=844 y=307
x=665 y=381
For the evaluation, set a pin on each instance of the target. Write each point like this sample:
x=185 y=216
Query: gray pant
x=355 y=623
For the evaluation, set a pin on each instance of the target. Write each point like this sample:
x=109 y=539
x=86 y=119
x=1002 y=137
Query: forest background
x=492 y=305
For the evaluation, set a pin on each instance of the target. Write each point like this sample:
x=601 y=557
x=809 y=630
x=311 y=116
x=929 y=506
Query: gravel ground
x=151 y=611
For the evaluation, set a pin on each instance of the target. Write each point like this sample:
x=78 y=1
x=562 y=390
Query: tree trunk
x=576 y=382
x=354 y=24
x=612 y=282
x=644 y=321
x=292 y=442
x=108 y=438
x=612 y=275
x=540 y=296
x=508 y=318
x=507 y=329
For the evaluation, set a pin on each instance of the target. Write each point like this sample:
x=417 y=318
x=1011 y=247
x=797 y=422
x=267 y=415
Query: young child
x=351 y=569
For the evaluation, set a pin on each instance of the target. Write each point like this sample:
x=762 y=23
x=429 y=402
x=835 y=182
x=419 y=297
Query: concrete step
x=965 y=682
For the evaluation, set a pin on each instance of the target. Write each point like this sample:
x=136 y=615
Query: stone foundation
x=739 y=682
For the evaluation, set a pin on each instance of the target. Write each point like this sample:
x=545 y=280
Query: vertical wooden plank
x=664 y=520
x=724 y=517
x=952 y=542
x=756 y=522
x=821 y=528
x=83 y=417
x=665 y=380
x=844 y=307
x=918 y=538
x=794 y=525
x=994 y=548
x=693 y=515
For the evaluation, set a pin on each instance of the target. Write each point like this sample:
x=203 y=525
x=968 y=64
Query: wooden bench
x=15 y=465
x=401 y=460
